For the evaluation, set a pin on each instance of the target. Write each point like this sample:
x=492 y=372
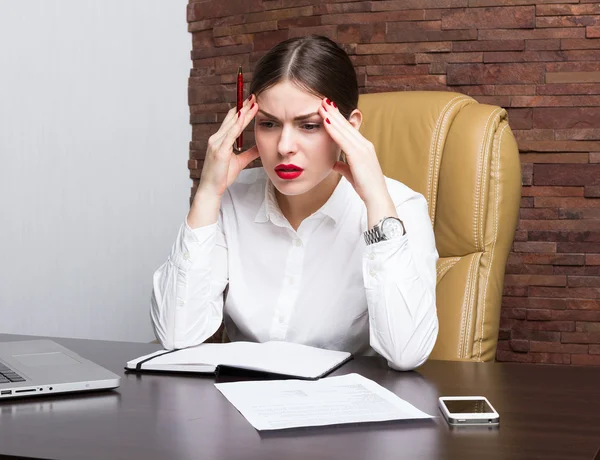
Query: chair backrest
x=463 y=157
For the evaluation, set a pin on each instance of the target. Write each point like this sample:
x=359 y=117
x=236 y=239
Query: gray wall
x=93 y=152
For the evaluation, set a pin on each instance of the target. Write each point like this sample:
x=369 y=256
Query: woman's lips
x=288 y=172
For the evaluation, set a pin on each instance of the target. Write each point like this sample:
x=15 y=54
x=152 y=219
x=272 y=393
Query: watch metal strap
x=373 y=235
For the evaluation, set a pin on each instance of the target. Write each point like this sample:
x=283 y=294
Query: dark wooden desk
x=546 y=412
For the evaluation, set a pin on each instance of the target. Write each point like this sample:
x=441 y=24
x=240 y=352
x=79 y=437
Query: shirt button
x=371 y=256
x=186 y=255
x=298 y=243
x=372 y=272
x=180 y=302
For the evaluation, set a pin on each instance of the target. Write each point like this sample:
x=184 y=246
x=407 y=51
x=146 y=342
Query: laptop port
x=28 y=390
x=5 y=392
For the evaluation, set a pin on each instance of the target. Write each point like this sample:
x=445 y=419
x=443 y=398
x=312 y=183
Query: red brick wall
x=539 y=60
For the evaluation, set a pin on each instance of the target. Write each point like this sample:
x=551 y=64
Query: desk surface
x=546 y=412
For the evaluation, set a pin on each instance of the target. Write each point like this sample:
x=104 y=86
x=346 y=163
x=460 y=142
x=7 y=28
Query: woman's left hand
x=362 y=170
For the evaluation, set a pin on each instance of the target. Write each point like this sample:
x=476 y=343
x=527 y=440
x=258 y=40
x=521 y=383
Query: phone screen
x=468 y=406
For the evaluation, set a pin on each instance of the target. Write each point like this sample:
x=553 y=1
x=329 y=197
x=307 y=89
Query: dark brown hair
x=314 y=63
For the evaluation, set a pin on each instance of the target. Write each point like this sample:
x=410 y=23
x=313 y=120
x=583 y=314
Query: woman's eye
x=311 y=126
x=266 y=124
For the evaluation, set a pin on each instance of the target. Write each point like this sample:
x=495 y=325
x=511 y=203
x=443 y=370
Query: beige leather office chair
x=463 y=157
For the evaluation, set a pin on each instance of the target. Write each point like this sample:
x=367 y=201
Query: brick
x=210 y=94
x=501 y=101
x=520 y=235
x=531 y=34
x=583 y=304
x=245 y=28
x=536 y=280
x=398 y=32
x=536 y=247
x=558 y=146
x=576 y=315
x=564 y=236
x=555 y=101
x=337 y=8
x=559 y=225
x=591 y=191
x=566 y=10
x=392 y=5
x=526 y=202
x=587 y=326
x=383 y=59
x=568 y=88
x=218 y=8
x=519 y=346
x=565 y=118
x=561 y=292
x=592 y=31
x=525 y=269
x=511 y=356
x=578 y=134
x=565 y=202
x=592 y=259
x=523 y=56
x=516 y=291
x=585 y=360
x=413 y=18
x=520 y=118
x=392 y=81
x=572 y=77
x=566 y=21
x=280 y=4
x=580 y=337
x=550 y=259
x=222 y=51
x=559 y=326
x=448 y=57
x=579 y=43
x=395 y=70
x=472 y=74
x=594 y=349
x=538 y=214
x=546 y=44
x=572 y=67
x=554 y=347
x=266 y=40
x=594 y=157
x=551 y=191
x=534 y=135
x=566 y=174
x=583 y=281
x=516 y=313
x=515 y=89
x=515 y=2
x=488 y=45
x=579 y=247
x=393 y=48
x=518 y=17
x=327 y=31
x=503 y=334
x=539 y=315
x=579 y=271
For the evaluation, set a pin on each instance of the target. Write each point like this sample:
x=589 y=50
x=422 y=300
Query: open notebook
x=284 y=359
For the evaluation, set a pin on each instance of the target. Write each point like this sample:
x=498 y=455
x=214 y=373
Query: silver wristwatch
x=387 y=228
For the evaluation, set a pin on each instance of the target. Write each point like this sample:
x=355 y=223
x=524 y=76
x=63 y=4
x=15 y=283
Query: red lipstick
x=288 y=172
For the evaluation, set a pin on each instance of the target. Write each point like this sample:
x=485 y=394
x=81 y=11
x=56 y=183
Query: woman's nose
x=287 y=141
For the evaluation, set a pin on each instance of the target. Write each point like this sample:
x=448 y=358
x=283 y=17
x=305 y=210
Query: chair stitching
x=444 y=267
x=431 y=148
x=471 y=304
x=478 y=181
x=497 y=201
x=437 y=158
x=465 y=300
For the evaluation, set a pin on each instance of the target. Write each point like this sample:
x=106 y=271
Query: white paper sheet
x=352 y=398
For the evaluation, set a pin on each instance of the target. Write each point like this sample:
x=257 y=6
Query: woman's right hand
x=221 y=165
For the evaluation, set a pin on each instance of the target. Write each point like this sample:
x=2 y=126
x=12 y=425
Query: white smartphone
x=468 y=410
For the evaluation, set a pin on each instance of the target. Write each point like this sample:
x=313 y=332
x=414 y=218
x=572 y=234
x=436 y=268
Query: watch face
x=392 y=228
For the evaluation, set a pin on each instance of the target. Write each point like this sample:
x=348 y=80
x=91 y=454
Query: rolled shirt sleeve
x=400 y=284
x=187 y=295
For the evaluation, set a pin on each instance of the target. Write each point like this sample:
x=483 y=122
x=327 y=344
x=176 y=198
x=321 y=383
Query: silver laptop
x=42 y=367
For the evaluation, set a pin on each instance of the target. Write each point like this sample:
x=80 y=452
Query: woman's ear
x=356 y=118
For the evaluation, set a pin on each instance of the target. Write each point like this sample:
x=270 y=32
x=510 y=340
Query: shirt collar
x=333 y=208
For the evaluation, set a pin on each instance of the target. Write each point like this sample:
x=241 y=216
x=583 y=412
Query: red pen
x=240 y=102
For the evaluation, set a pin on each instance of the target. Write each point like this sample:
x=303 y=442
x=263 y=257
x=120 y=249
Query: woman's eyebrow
x=299 y=117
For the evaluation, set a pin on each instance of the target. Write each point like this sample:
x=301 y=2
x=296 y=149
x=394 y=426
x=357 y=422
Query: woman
x=314 y=250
